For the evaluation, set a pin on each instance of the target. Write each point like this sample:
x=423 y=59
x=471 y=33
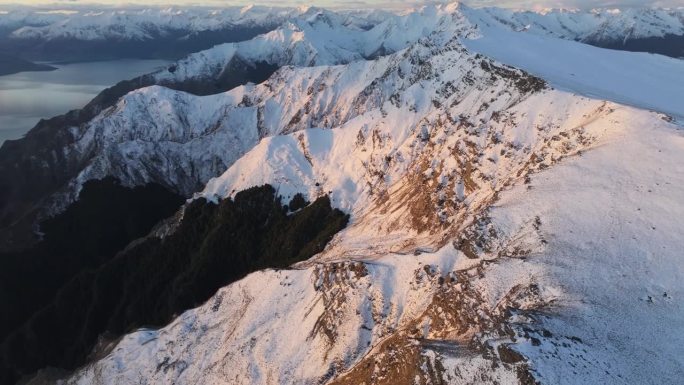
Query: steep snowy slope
x=453 y=111
x=315 y=325
x=396 y=318
x=450 y=269
x=317 y=37
x=323 y=37
x=314 y=37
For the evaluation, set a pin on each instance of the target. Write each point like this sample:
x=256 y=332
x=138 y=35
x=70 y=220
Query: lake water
x=27 y=97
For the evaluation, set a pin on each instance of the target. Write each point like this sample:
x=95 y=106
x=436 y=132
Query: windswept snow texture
x=613 y=219
x=643 y=80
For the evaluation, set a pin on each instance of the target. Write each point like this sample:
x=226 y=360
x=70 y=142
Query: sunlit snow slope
x=578 y=270
x=613 y=222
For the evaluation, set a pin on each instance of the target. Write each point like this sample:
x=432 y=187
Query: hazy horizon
x=361 y=4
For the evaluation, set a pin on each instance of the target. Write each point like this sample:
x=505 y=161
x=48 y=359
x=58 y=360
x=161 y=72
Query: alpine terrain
x=444 y=195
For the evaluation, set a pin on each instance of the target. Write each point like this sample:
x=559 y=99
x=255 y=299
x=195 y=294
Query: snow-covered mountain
x=179 y=139
x=475 y=190
x=632 y=29
x=135 y=24
x=506 y=226
x=170 y=33
x=317 y=37
x=155 y=134
x=595 y=26
x=139 y=24
x=570 y=277
x=81 y=34
x=321 y=37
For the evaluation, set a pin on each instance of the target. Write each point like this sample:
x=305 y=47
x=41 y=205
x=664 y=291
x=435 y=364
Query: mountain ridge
x=316 y=37
x=509 y=221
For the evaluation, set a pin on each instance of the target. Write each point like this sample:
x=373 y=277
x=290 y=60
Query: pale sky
x=365 y=3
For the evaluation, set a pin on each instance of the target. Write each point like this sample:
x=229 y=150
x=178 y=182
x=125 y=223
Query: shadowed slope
x=151 y=281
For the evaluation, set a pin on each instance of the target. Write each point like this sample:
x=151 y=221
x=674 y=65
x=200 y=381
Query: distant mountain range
x=171 y=33
x=143 y=33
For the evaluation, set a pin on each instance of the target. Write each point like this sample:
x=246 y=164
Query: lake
x=27 y=97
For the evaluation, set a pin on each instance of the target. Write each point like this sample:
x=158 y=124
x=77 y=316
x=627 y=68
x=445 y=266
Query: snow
x=144 y=23
x=643 y=80
x=613 y=222
x=136 y=24
x=180 y=140
x=601 y=262
x=377 y=151
x=321 y=37
x=597 y=25
x=486 y=212
x=246 y=334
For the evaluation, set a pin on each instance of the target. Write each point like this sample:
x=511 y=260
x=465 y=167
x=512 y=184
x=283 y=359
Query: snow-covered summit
x=322 y=37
